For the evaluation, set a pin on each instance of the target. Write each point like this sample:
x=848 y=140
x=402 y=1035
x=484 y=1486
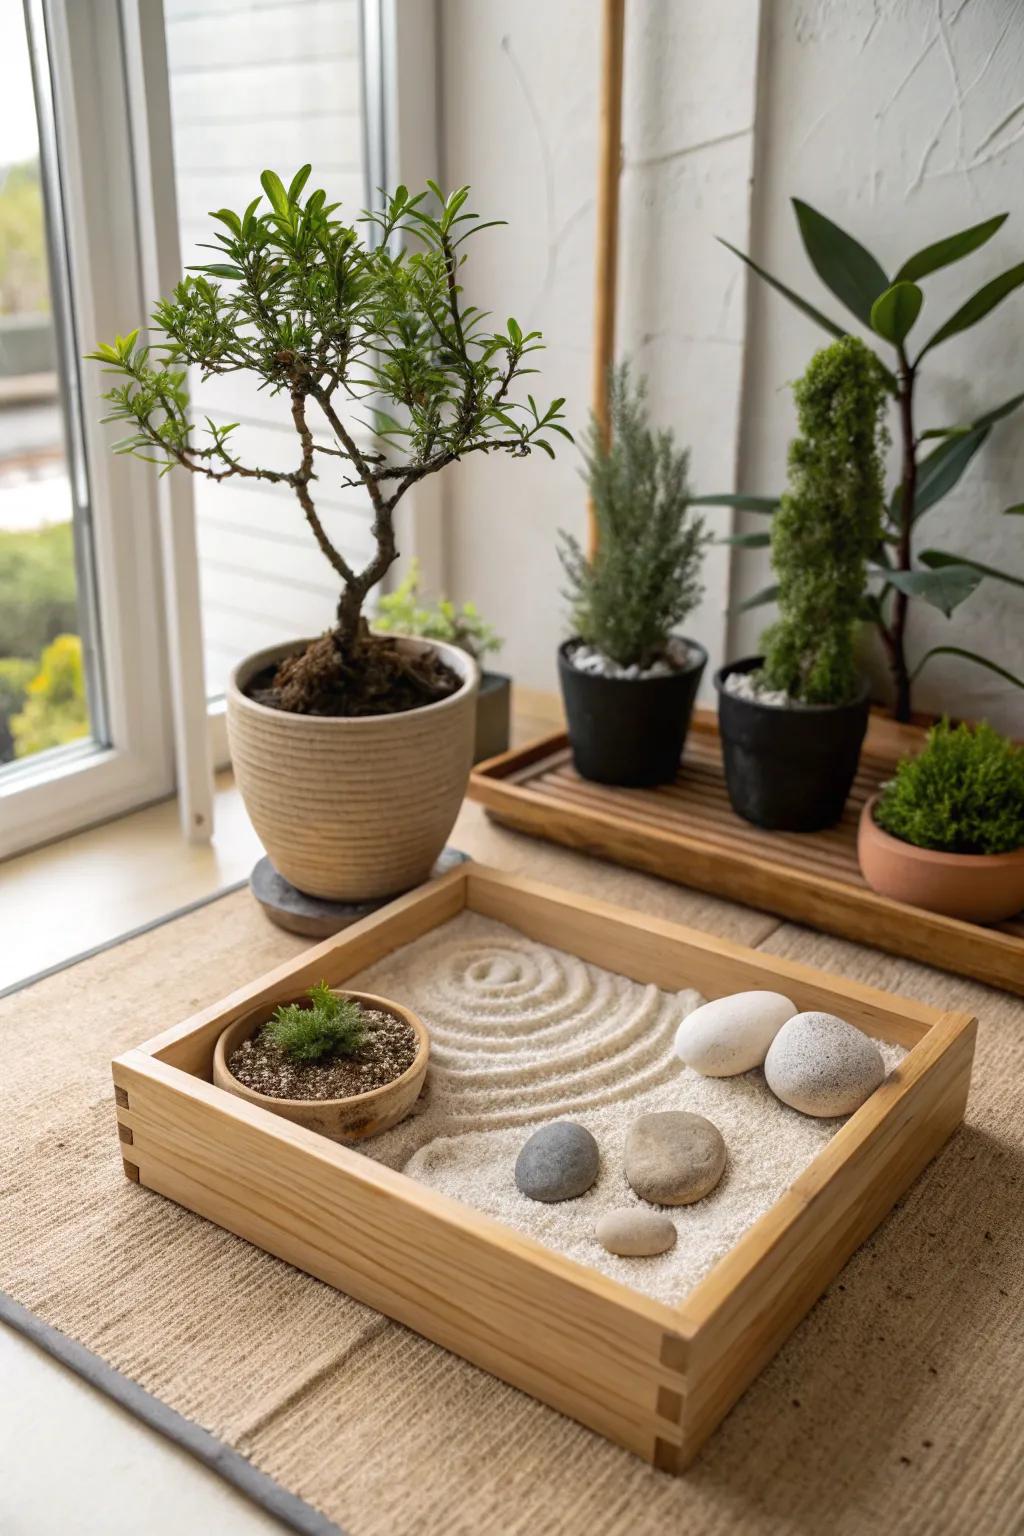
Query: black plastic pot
x=629 y=731
x=493 y=715
x=788 y=769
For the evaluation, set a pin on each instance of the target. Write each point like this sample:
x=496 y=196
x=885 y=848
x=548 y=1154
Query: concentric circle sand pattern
x=522 y=1034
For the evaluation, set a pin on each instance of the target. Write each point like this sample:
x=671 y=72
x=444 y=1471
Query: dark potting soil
x=388 y=1051
x=375 y=677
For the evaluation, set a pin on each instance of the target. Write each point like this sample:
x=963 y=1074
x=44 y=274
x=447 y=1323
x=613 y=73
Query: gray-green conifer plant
x=643 y=578
x=827 y=526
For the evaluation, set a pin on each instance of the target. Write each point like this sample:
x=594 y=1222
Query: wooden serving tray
x=654 y=1378
x=687 y=832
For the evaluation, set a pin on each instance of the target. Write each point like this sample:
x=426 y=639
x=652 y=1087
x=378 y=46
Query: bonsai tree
x=827 y=526
x=331 y=1026
x=400 y=612
x=964 y=793
x=313 y=311
x=644 y=576
x=890 y=308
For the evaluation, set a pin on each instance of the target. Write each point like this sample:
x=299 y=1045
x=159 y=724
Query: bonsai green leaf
x=977 y=307
x=742 y=503
x=952 y=248
x=941 y=470
x=843 y=265
x=939 y=559
x=746 y=540
x=794 y=298
x=766 y=595
x=273 y=186
x=894 y=311
x=980 y=661
x=945 y=588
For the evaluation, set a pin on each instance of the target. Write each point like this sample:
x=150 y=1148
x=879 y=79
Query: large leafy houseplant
x=890 y=307
x=301 y=302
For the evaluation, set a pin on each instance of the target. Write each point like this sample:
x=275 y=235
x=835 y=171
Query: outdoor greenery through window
x=42 y=690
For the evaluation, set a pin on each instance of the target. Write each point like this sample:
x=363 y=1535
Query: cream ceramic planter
x=977 y=887
x=351 y=810
x=352 y=1119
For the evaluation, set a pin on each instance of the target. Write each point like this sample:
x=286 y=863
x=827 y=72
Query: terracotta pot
x=351 y=1119
x=351 y=810
x=978 y=887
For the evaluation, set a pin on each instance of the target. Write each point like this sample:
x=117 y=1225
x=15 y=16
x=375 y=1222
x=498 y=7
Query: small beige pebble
x=821 y=1065
x=673 y=1157
x=635 y=1233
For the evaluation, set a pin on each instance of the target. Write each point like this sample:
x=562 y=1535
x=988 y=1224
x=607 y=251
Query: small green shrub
x=644 y=577
x=55 y=710
x=332 y=1026
x=400 y=613
x=964 y=793
x=827 y=526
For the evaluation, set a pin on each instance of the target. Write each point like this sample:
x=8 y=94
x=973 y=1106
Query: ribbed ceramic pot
x=353 y=809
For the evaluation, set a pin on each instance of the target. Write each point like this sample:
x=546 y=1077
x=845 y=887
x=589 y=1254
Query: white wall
x=519 y=103
x=903 y=121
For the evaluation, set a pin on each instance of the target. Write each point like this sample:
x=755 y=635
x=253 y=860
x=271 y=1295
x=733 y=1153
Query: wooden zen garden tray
x=653 y=1377
x=687 y=832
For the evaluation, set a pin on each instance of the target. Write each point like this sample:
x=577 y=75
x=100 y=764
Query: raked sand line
x=522 y=1034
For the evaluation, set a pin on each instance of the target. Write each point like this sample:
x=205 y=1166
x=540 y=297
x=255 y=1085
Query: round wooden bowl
x=352 y=1119
x=977 y=887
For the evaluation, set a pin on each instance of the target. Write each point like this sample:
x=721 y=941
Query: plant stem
x=908 y=490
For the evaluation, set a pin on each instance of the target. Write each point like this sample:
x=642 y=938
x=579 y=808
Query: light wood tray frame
x=687 y=832
x=654 y=1378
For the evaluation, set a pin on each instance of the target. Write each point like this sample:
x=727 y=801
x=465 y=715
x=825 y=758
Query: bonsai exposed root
x=369 y=676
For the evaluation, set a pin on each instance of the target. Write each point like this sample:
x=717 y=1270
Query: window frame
x=132 y=762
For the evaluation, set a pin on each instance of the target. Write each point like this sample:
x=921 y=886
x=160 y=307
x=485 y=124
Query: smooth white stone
x=732 y=1034
x=821 y=1065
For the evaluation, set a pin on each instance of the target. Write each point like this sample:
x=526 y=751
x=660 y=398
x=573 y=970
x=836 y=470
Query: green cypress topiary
x=827 y=525
x=964 y=793
x=644 y=577
x=331 y=1026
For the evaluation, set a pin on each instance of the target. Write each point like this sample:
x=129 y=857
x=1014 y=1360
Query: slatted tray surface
x=687 y=832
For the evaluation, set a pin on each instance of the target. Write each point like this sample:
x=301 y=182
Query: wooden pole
x=608 y=166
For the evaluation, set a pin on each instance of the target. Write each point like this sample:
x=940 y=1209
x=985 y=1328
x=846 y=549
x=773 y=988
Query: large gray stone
x=821 y=1065
x=674 y=1157
x=559 y=1162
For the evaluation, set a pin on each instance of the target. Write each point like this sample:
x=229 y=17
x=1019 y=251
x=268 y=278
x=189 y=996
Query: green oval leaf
x=766 y=595
x=843 y=265
x=894 y=311
x=1015 y=511
x=298 y=181
x=746 y=540
x=940 y=471
x=952 y=248
x=939 y=559
x=978 y=306
x=945 y=588
x=273 y=186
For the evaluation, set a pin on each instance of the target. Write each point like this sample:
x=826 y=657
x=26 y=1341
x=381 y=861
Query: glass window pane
x=255 y=86
x=43 y=696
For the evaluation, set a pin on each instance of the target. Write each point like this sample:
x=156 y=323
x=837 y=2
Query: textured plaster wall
x=519 y=91
x=904 y=121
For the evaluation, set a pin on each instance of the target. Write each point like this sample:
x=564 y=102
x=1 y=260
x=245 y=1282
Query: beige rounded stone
x=351 y=810
x=634 y=1233
x=673 y=1157
x=821 y=1065
x=732 y=1034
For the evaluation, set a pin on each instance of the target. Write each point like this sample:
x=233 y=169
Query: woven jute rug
x=896 y=1407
